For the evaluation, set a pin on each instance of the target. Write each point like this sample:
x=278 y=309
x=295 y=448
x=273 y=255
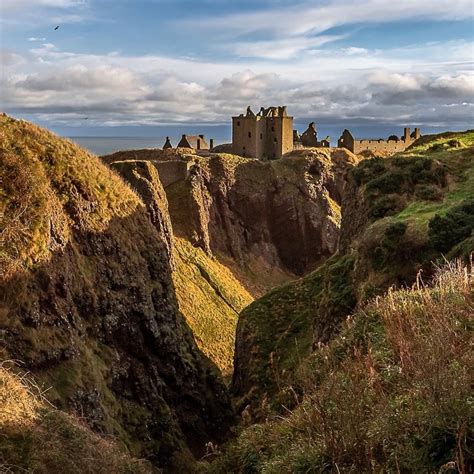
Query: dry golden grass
x=34 y=437
x=210 y=298
x=48 y=186
x=19 y=407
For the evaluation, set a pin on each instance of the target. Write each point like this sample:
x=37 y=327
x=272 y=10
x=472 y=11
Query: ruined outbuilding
x=394 y=144
x=196 y=142
x=266 y=135
x=167 y=144
x=309 y=138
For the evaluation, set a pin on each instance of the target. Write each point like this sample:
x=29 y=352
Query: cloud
x=32 y=38
x=15 y=5
x=395 y=85
x=280 y=49
x=307 y=17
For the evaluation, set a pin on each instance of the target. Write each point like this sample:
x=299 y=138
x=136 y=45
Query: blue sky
x=143 y=63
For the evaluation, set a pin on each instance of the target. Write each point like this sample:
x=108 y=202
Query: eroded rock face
x=285 y=213
x=95 y=319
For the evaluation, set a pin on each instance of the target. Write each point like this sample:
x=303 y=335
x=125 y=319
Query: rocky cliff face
x=263 y=216
x=88 y=305
x=208 y=294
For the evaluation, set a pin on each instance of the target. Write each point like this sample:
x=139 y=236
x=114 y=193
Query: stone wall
x=172 y=171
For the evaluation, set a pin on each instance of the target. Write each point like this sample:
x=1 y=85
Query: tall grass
x=392 y=393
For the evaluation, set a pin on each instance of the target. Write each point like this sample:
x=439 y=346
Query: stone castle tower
x=268 y=134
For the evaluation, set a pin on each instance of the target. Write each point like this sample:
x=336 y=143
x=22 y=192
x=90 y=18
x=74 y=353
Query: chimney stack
x=406 y=134
x=211 y=143
x=417 y=133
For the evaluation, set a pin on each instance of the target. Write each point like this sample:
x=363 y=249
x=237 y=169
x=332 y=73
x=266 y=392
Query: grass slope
x=48 y=185
x=210 y=298
x=420 y=209
x=391 y=393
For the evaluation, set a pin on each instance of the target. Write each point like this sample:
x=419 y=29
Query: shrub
x=384 y=206
x=389 y=182
x=427 y=192
x=389 y=245
x=447 y=231
x=367 y=170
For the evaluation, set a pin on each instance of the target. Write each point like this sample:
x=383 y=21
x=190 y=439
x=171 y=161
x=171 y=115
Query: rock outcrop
x=283 y=214
x=208 y=294
x=88 y=305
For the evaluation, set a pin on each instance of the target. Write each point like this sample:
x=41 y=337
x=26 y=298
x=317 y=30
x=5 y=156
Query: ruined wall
x=382 y=146
x=390 y=146
x=172 y=171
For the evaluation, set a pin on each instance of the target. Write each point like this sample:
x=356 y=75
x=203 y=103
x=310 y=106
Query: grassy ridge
x=391 y=393
x=49 y=185
x=277 y=332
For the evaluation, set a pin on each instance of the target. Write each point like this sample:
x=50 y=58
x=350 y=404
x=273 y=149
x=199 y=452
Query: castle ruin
x=309 y=138
x=268 y=134
x=394 y=144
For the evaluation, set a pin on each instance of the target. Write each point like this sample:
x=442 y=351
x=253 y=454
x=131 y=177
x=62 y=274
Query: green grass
x=391 y=393
x=276 y=332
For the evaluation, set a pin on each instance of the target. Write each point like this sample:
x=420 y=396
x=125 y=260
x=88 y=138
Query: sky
x=129 y=66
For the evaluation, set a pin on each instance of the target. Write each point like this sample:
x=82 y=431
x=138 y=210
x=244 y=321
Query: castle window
x=250 y=134
x=275 y=140
x=238 y=123
x=273 y=129
x=261 y=136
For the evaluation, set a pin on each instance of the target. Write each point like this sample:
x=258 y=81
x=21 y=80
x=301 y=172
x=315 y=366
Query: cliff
x=400 y=218
x=209 y=296
x=241 y=227
x=88 y=304
x=266 y=220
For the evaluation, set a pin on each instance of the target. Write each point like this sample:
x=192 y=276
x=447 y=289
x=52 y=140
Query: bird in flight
x=56 y=28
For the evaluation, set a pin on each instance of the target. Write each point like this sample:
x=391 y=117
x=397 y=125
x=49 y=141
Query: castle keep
x=268 y=134
x=392 y=145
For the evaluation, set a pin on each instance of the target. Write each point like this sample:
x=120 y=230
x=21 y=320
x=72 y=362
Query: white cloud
x=63 y=87
x=310 y=18
x=33 y=38
x=280 y=49
x=15 y=5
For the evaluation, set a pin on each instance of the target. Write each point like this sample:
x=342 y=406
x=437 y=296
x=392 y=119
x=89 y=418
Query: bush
x=447 y=231
x=427 y=192
x=389 y=182
x=367 y=170
x=389 y=245
x=384 y=206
